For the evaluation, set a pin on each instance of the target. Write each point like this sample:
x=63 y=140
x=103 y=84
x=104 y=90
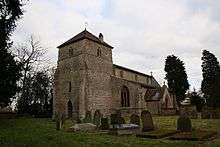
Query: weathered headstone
x=97 y=118
x=184 y=124
x=135 y=119
x=88 y=117
x=104 y=124
x=147 y=121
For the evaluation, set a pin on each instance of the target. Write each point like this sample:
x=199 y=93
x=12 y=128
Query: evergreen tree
x=211 y=79
x=9 y=75
x=176 y=77
x=197 y=100
x=10 y=12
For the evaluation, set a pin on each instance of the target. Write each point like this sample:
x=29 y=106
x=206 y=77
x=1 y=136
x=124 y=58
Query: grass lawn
x=33 y=132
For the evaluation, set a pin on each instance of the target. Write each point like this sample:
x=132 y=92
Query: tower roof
x=84 y=35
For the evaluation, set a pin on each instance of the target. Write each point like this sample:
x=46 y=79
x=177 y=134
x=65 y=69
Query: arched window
x=125 y=98
x=70 y=109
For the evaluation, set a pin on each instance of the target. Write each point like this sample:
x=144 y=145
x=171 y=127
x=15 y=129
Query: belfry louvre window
x=125 y=98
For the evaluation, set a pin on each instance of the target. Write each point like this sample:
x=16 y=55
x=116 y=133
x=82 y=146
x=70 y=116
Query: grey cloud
x=143 y=33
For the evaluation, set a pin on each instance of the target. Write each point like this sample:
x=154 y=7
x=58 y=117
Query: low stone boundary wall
x=189 y=110
x=7 y=115
x=211 y=114
x=168 y=111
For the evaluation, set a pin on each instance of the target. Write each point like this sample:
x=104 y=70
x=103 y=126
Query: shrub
x=104 y=124
x=135 y=119
x=88 y=117
x=184 y=124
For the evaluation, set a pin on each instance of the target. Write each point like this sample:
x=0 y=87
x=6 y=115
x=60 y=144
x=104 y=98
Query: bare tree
x=31 y=55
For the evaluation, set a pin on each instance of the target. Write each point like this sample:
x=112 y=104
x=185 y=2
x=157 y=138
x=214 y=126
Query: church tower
x=83 y=76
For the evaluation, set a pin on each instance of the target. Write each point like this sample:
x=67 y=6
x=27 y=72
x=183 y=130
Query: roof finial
x=164 y=83
x=151 y=73
x=86 y=25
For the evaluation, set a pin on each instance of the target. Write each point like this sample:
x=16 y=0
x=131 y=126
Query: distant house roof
x=131 y=70
x=84 y=35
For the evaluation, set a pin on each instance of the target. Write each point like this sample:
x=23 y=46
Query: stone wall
x=98 y=78
x=89 y=75
x=154 y=107
x=70 y=68
x=168 y=111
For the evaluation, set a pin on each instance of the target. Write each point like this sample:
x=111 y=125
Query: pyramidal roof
x=84 y=35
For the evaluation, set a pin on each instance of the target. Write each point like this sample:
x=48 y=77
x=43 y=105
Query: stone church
x=87 y=80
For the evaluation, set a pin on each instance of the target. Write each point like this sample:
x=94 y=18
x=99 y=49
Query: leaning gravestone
x=135 y=119
x=147 y=121
x=97 y=118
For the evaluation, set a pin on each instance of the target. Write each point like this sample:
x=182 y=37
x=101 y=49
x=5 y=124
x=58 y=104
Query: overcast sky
x=142 y=32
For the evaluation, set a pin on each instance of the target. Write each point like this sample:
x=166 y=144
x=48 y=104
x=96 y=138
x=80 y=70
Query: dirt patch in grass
x=156 y=134
x=196 y=135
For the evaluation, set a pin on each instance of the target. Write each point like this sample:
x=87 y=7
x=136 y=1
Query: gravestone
x=147 y=121
x=97 y=118
x=104 y=124
x=135 y=119
x=184 y=124
x=88 y=117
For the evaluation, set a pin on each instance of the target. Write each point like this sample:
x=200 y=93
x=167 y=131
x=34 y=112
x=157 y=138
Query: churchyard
x=42 y=132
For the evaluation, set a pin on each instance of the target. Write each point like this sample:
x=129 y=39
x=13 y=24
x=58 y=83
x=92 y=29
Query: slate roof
x=131 y=70
x=84 y=35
